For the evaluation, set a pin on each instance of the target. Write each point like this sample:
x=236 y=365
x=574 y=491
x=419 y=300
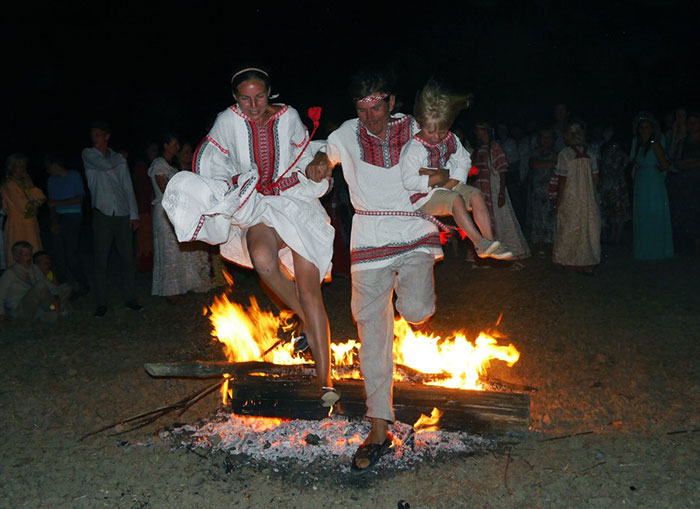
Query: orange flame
x=248 y=333
x=464 y=361
x=425 y=423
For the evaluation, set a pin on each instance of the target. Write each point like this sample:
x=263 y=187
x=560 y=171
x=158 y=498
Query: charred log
x=474 y=411
x=209 y=369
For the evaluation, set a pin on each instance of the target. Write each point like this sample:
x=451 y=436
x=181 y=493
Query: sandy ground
x=615 y=358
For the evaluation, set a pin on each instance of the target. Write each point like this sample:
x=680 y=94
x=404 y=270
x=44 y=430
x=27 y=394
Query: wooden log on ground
x=472 y=411
x=213 y=369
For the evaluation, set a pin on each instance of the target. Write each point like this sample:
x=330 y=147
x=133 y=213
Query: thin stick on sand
x=159 y=412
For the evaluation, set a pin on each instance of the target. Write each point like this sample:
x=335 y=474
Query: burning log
x=464 y=410
x=207 y=369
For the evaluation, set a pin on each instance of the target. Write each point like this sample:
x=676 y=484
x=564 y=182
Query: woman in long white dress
x=177 y=267
x=251 y=196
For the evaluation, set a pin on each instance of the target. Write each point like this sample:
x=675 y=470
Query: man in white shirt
x=391 y=248
x=115 y=214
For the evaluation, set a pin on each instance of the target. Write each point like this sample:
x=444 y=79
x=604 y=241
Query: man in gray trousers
x=115 y=214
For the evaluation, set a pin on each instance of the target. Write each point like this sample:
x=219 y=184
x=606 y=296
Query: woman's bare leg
x=481 y=215
x=263 y=246
x=317 y=329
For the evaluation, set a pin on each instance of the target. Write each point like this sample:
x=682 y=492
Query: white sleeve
x=125 y=179
x=562 y=167
x=214 y=158
x=410 y=162
x=294 y=182
x=92 y=166
x=460 y=163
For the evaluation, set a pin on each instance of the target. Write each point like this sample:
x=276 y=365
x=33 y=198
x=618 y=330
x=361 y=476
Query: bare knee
x=265 y=262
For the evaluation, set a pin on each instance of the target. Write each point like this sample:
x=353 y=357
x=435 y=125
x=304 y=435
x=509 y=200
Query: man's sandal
x=371 y=452
x=329 y=397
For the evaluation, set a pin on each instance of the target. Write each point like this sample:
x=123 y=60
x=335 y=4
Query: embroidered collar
x=277 y=115
x=385 y=153
x=429 y=145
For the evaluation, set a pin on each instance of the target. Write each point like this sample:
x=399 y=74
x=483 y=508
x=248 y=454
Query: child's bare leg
x=317 y=330
x=481 y=215
x=464 y=220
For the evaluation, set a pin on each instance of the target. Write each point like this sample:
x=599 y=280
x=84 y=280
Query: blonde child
x=434 y=168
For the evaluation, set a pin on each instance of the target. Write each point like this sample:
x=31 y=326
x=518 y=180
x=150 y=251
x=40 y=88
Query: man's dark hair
x=371 y=81
x=99 y=124
x=36 y=256
x=50 y=159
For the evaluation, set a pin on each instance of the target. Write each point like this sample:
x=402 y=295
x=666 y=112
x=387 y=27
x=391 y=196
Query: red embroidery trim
x=377 y=253
x=216 y=144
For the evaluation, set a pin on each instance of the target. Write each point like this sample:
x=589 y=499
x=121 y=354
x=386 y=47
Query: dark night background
x=606 y=62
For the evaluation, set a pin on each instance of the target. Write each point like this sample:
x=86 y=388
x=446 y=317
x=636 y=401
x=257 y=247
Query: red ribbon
x=314 y=114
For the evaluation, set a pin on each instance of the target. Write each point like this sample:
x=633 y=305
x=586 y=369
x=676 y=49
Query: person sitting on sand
x=25 y=291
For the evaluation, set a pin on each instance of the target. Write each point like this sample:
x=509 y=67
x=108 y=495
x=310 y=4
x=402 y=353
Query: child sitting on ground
x=434 y=166
x=25 y=291
x=42 y=260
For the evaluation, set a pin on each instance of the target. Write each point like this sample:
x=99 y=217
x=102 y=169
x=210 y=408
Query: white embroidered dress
x=416 y=154
x=177 y=268
x=372 y=172
x=240 y=179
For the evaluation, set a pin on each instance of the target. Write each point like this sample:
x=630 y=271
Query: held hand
x=134 y=224
x=427 y=171
x=319 y=169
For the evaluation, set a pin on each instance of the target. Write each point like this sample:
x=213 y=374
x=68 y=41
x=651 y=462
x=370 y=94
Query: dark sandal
x=371 y=452
x=301 y=344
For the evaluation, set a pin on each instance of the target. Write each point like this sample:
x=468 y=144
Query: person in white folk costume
x=248 y=193
x=393 y=248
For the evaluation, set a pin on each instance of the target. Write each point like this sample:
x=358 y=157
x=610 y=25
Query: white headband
x=249 y=69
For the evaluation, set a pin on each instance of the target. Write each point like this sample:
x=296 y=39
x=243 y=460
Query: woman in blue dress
x=653 y=238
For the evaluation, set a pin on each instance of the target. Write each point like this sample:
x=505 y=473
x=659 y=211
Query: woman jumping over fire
x=250 y=195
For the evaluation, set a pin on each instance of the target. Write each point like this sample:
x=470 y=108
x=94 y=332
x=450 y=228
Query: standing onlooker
x=3 y=215
x=653 y=238
x=115 y=214
x=684 y=188
x=577 y=235
x=510 y=148
x=561 y=119
x=21 y=201
x=66 y=191
x=677 y=133
x=492 y=164
x=200 y=251
x=615 y=207
x=177 y=268
x=539 y=205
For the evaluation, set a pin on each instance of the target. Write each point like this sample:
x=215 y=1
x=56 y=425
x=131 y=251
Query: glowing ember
x=251 y=334
x=425 y=423
x=336 y=440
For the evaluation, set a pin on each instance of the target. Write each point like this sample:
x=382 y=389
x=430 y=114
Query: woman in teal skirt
x=651 y=219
